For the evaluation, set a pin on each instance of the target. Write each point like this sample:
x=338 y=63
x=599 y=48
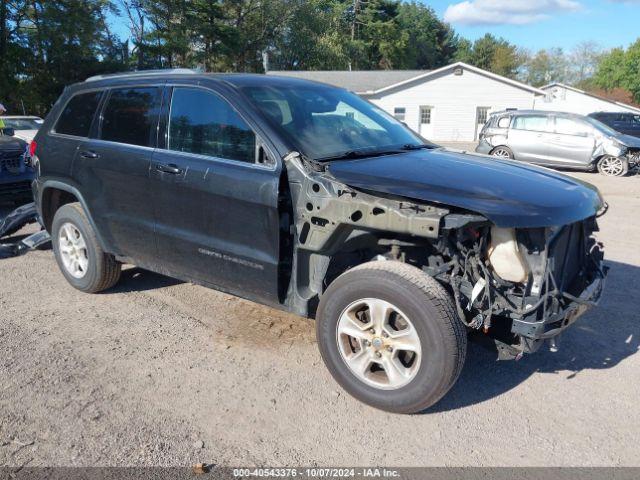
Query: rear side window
x=203 y=123
x=78 y=114
x=535 y=123
x=130 y=115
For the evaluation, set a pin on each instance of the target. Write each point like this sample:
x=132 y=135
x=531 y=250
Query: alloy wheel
x=501 y=153
x=73 y=250
x=379 y=344
x=612 y=166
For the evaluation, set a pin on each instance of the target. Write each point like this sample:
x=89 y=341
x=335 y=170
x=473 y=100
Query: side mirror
x=10 y=132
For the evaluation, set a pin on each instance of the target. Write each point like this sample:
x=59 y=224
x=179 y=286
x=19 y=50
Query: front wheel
x=613 y=166
x=390 y=336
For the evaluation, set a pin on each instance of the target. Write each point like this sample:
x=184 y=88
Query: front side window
x=77 y=116
x=534 y=123
x=400 y=113
x=130 y=116
x=203 y=123
x=569 y=126
x=324 y=122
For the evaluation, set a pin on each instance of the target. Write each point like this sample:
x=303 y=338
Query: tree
x=48 y=45
x=619 y=69
x=315 y=37
x=490 y=53
x=583 y=61
x=546 y=66
x=430 y=43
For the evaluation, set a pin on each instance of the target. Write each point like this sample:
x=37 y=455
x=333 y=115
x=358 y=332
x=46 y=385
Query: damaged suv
x=307 y=198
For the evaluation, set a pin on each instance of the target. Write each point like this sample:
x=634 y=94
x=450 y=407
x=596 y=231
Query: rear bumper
x=484 y=147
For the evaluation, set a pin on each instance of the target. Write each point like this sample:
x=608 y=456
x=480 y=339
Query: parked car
x=557 y=139
x=305 y=197
x=15 y=175
x=25 y=127
x=626 y=123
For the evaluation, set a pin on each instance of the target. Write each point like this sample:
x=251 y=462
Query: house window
x=400 y=113
x=482 y=115
x=425 y=115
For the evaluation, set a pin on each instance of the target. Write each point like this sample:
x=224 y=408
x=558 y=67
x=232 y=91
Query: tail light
x=30 y=158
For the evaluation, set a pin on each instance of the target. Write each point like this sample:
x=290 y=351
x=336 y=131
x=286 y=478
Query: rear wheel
x=502 y=152
x=613 y=166
x=390 y=336
x=81 y=259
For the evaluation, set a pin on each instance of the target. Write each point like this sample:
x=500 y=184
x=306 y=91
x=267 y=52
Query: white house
x=448 y=104
x=563 y=98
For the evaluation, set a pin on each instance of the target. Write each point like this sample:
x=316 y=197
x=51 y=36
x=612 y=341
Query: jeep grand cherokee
x=307 y=198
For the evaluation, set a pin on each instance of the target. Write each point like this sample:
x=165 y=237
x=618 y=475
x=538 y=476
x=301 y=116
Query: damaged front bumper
x=554 y=324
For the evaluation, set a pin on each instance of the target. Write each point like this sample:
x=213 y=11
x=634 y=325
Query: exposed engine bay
x=517 y=286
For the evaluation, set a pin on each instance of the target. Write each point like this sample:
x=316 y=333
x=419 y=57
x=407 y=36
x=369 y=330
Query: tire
x=613 y=166
x=411 y=295
x=99 y=270
x=502 y=152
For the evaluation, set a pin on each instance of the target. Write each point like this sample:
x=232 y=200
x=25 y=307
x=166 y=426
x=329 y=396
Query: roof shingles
x=359 y=81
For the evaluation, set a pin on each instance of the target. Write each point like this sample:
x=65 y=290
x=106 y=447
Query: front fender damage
x=334 y=223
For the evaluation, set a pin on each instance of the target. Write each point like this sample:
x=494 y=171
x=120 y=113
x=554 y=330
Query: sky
x=532 y=24
x=537 y=24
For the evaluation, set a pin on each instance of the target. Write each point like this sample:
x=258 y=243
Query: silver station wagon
x=561 y=140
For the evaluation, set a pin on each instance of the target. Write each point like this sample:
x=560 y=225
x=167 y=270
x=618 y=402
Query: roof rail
x=138 y=73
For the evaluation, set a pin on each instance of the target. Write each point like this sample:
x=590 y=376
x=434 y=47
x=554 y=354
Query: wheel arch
x=54 y=195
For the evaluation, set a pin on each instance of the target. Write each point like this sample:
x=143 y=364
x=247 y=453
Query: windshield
x=326 y=122
x=601 y=126
x=22 y=123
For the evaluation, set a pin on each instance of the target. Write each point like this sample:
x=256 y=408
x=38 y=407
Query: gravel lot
x=158 y=372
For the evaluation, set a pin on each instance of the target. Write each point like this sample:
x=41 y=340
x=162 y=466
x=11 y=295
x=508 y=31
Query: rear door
x=113 y=169
x=529 y=138
x=216 y=196
x=573 y=143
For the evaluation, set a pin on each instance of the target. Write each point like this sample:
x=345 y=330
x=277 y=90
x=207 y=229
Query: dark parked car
x=558 y=139
x=15 y=175
x=307 y=198
x=627 y=123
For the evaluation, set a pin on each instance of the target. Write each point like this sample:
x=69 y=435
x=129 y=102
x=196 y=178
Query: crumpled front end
x=523 y=286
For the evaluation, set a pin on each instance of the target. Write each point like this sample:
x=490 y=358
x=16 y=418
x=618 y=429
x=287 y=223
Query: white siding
x=454 y=100
x=562 y=99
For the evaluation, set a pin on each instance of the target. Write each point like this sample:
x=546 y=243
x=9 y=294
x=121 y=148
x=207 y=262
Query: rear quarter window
x=503 y=122
x=77 y=115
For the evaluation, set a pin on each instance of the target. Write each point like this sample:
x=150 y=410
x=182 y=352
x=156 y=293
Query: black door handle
x=169 y=168
x=89 y=154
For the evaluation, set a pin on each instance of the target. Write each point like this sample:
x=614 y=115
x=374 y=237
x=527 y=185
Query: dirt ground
x=158 y=372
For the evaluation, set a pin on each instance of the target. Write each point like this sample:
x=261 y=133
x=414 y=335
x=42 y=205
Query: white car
x=25 y=127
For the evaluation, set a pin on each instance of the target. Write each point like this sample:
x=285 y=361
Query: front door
x=113 y=170
x=216 y=205
x=573 y=143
